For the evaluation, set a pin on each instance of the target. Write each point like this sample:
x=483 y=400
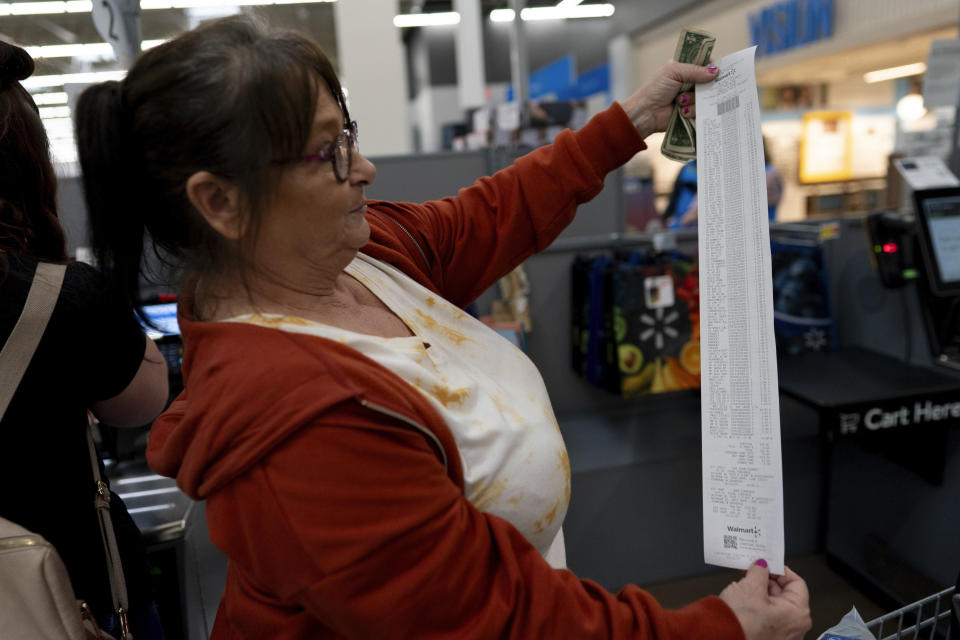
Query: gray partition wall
x=428 y=176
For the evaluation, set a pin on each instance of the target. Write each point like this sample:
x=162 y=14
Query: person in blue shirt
x=681 y=211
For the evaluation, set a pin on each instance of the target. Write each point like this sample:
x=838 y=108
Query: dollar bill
x=680 y=140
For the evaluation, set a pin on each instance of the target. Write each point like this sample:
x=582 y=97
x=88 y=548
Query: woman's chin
x=357 y=229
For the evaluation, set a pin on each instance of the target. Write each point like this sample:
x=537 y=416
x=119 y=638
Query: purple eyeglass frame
x=350 y=142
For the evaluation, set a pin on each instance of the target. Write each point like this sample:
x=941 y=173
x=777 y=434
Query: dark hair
x=227 y=97
x=28 y=184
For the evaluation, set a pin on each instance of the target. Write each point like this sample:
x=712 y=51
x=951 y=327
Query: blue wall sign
x=786 y=25
x=559 y=81
x=553 y=78
x=594 y=81
x=558 y=77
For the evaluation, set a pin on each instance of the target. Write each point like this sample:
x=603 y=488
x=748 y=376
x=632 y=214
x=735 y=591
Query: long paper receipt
x=740 y=408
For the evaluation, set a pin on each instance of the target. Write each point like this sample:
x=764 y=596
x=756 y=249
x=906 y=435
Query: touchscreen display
x=943 y=222
x=164 y=317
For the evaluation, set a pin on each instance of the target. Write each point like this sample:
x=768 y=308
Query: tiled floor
x=831 y=596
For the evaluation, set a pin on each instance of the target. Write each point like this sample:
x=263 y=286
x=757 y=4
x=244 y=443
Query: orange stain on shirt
x=446 y=396
x=515 y=417
x=565 y=467
x=552 y=513
x=564 y=462
x=454 y=336
x=488 y=495
x=264 y=321
x=430 y=302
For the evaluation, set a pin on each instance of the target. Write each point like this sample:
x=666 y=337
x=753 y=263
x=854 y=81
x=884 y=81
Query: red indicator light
x=890 y=247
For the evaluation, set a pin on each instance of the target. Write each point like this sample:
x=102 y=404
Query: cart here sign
x=916 y=412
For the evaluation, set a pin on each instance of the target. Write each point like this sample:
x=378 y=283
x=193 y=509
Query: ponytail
x=115 y=201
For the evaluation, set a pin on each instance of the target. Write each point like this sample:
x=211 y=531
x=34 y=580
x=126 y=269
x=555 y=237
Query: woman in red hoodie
x=375 y=463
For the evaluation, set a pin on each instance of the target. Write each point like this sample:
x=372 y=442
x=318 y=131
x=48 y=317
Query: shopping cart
x=928 y=619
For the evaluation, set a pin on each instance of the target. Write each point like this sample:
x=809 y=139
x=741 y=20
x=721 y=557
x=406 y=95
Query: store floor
x=831 y=596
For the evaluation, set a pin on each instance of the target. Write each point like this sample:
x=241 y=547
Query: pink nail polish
x=683 y=99
x=686 y=111
x=712 y=69
x=762 y=563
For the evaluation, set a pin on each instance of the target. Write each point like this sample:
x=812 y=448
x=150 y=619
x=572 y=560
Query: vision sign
x=789 y=24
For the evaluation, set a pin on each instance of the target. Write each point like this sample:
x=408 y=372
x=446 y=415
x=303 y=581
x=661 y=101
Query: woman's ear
x=218 y=201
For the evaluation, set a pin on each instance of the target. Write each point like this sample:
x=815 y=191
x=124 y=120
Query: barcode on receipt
x=728 y=105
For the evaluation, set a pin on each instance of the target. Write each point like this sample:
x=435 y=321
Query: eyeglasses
x=340 y=151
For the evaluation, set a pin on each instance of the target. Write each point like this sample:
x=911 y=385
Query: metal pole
x=519 y=63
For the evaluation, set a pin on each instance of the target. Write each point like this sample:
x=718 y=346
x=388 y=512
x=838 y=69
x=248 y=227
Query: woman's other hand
x=770 y=607
x=651 y=105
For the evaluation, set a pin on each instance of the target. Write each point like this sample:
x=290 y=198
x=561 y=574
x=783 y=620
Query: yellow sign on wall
x=826 y=147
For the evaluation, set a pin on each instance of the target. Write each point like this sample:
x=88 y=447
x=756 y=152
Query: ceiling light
x=426 y=19
x=910 y=107
x=555 y=13
x=43 y=8
x=85 y=6
x=36 y=82
x=53 y=97
x=196 y=4
x=568 y=3
x=892 y=73
x=54 y=112
x=91 y=49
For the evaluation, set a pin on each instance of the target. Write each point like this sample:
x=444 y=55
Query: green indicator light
x=877 y=248
x=910 y=274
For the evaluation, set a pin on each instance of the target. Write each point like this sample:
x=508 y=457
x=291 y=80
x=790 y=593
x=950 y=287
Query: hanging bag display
x=36 y=598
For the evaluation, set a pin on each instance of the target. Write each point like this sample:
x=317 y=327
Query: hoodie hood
x=223 y=424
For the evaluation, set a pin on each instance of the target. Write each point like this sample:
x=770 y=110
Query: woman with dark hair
x=375 y=462
x=93 y=356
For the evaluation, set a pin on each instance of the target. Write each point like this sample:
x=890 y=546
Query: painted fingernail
x=683 y=99
x=712 y=69
x=686 y=111
x=762 y=563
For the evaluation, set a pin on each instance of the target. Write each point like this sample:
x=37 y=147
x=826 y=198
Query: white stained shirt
x=488 y=392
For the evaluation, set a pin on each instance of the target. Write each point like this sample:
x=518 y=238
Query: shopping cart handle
x=956 y=614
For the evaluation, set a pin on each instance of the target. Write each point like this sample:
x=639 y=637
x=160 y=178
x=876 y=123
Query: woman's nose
x=364 y=171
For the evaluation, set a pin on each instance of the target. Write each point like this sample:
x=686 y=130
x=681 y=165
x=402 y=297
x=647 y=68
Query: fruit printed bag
x=653 y=334
x=579 y=312
x=596 y=369
x=802 y=320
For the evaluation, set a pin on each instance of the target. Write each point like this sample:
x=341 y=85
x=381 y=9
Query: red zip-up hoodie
x=336 y=490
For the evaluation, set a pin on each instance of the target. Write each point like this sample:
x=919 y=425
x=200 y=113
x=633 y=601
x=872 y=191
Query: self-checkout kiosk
x=938 y=239
x=922 y=251
x=888 y=400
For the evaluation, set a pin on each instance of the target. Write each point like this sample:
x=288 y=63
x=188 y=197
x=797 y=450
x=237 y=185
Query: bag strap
x=23 y=340
x=15 y=357
x=101 y=502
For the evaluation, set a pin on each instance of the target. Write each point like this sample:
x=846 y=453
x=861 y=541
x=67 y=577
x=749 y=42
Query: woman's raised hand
x=770 y=607
x=650 y=106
